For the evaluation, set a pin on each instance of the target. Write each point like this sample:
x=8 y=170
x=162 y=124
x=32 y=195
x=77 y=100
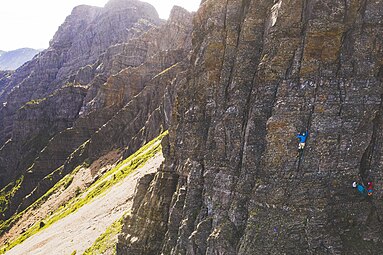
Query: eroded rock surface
x=232 y=184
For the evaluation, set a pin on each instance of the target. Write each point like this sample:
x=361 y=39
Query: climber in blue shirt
x=302 y=139
x=360 y=187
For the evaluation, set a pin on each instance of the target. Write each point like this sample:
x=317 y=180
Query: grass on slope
x=8 y=192
x=112 y=177
x=107 y=241
x=63 y=183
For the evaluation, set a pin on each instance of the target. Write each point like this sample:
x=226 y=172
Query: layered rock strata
x=76 y=46
x=232 y=184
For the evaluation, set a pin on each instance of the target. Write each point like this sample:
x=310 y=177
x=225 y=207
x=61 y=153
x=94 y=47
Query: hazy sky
x=32 y=23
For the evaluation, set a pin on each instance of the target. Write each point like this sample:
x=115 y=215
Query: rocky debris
x=261 y=72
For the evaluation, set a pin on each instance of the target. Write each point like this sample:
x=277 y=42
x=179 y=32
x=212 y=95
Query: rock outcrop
x=261 y=71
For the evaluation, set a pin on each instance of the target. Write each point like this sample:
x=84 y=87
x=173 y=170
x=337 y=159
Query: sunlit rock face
x=262 y=71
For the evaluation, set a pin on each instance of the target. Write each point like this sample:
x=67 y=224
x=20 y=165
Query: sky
x=32 y=23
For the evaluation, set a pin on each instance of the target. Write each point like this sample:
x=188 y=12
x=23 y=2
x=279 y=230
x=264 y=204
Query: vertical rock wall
x=261 y=72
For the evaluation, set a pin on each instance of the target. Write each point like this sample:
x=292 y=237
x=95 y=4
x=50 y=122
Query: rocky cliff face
x=112 y=89
x=83 y=37
x=56 y=67
x=261 y=71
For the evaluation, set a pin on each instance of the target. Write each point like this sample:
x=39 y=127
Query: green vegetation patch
x=107 y=241
x=35 y=101
x=62 y=184
x=110 y=178
x=7 y=193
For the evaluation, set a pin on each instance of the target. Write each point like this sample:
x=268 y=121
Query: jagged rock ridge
x=57 y=66
x=260 y=72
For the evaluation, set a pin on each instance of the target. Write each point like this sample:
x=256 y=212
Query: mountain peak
x=140 y=6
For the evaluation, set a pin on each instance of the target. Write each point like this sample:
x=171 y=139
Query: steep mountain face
x=261 y=71
x=56 y=67
x=113 y=93
x=85 y=34
x=12 y=60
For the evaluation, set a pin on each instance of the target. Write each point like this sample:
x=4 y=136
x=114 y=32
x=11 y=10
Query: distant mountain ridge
x=11 y=60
